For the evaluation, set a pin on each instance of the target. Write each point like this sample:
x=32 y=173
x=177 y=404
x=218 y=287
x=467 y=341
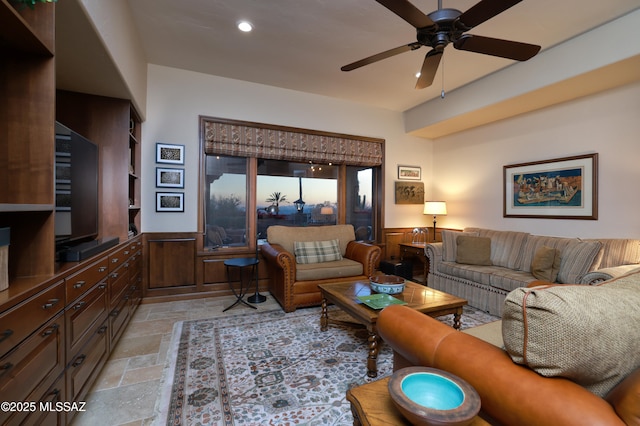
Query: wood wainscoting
x=177 y=270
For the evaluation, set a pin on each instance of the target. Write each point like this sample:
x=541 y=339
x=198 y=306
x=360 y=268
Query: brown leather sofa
x=296 y=285
x=511 y=394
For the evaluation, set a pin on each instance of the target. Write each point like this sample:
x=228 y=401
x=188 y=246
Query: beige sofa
x=512 y=261
x=294 y=275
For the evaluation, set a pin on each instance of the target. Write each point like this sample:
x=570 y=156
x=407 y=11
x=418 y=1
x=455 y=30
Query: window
x=295 y=194
x=226 y=201
x=361 y=184
x=256 y=175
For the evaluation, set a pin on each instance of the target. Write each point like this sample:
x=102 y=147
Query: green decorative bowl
x=388 y=284
x=432 y=397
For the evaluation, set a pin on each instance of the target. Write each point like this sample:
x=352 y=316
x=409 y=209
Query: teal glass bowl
x=428 y=396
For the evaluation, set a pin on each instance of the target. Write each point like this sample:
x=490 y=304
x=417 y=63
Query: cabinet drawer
x=118 y=257
x=45 y=418
x=19 y=322
x=118 y=318
x=83 y=315
x=86 y=365
x=118 y=283
x=33 y=366
x=82 y=281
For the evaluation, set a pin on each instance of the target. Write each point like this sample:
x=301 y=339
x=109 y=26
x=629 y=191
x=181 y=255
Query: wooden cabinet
x=33 y=349
x=27 y=102
x=135 y=165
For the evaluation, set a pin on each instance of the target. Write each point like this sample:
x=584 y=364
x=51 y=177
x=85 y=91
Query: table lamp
x=435 y=208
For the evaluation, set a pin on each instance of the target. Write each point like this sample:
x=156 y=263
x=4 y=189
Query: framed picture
x=169 y=201
x=409 y=193
x=409 y=172
x=562 y=188
x=169 y=178
x=171 y=154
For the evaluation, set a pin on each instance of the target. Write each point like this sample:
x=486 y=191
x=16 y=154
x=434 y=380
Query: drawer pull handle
x=114 y=275
x=115 y=313
x=102 y=269
x=79 y=360
x=126 y=252
x=114 y=260
x=79 y=305
x=54 y=393
x=4 y=368
x=49 y=331
x=102 y=286
x=6 y=334
x=79 y=284
x=50 y=304
x=102 y=329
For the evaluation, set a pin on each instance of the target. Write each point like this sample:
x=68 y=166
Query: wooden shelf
x=27 y=30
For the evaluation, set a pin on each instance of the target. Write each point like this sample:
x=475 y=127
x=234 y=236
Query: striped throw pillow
x=317 y=251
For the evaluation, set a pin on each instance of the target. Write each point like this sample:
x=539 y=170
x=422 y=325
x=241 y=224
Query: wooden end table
x=371 y=405
x=423 y=299
x=416 y=250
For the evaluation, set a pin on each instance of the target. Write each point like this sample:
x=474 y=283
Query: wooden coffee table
x=423 y=299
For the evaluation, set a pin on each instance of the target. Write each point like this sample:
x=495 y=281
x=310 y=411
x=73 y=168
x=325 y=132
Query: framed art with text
x=169 y=154
x=169 y=201
x=561 y=188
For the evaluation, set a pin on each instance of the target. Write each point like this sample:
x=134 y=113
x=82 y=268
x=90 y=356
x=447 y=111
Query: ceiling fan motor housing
x=443 y=32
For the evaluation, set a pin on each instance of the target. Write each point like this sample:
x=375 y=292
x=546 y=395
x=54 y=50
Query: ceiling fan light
x=245 y=26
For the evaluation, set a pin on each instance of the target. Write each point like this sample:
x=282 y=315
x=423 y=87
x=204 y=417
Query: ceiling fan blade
x=483 y=11
x=429 y=68
x=408 y=12
x=381 y=56
x=497 y=47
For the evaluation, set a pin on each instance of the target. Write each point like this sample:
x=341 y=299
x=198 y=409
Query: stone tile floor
x=126 y=390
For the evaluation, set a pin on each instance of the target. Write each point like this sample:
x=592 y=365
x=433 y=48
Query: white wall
x=175 y=99
x=468 y=166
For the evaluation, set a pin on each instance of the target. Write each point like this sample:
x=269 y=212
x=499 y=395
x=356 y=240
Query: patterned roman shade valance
x=245 y=139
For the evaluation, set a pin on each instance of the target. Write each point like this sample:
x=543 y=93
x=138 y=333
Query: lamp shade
x=435 y=208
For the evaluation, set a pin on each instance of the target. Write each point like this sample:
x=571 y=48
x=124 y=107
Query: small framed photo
x=169 y=178
x=169 y=201
x=169 y=154
x=409 y=172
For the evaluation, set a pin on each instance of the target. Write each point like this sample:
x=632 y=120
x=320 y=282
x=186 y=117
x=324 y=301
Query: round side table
x=242 y=263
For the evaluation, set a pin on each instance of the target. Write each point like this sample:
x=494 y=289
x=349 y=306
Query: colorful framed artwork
x=561 y=188
x=169 y=201
x=169 y=178
x=170 y=154
x=409 y=172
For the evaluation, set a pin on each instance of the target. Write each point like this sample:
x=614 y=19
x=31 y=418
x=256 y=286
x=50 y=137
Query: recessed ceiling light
x=418 y=74
x=245 y=26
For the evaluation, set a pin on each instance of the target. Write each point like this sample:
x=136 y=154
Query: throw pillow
x=316 y=251
x=587 y=334
x=546 y=264
x=577 y=259
x=473 y=250
x=449 y=245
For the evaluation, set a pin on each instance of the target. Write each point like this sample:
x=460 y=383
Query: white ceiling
x=301 y=45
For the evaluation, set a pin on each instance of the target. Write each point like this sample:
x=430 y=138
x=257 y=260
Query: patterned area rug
x=269 y=368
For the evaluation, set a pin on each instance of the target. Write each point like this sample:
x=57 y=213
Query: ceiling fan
x=444 y=26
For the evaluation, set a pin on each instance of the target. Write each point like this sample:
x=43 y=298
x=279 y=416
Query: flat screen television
x=76 y=180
